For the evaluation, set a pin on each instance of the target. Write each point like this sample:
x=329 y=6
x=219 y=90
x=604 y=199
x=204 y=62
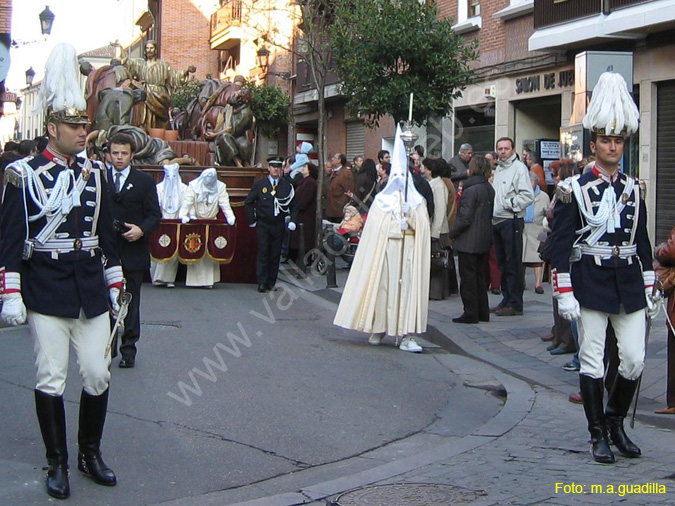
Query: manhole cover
x=409 y=494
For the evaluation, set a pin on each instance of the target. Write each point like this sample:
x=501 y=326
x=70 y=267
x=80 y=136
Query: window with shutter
x=664 y=189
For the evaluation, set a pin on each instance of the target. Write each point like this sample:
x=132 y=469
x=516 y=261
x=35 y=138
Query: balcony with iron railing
x=227 y=17
x=620 y=4
x=573 y=24
x=555 y=12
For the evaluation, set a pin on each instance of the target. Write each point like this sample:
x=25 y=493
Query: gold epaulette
x=563 y=191
x=643 y=188
x=14 y=175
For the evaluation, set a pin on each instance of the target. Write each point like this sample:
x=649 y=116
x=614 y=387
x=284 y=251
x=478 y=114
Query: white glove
x=291 y=226
x=654 y=301
x=568 y=306
x=184 y=219
x=405 y=208
x=653 y=297
x=13 y=309
x=231 y=221
x=114 y=301
x=404 y=225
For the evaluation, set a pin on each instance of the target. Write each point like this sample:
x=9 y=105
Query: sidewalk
x=536 y=449
x=513 y=344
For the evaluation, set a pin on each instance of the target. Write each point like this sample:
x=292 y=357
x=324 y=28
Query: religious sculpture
x=149 y=150
x=115 y=106
x=158 y=80
x=189 y=126
x=227 y=120
x=107 y=77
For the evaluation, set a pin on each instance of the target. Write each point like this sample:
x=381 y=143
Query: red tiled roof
x=106 y=51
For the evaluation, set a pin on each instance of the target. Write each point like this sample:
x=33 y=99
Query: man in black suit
x=267 y=205
x=136 y=213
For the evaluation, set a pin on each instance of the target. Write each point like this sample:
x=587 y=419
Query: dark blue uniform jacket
x=604 y=284
x=74 y=281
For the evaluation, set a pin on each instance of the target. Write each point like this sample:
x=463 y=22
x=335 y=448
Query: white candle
x=410 y=109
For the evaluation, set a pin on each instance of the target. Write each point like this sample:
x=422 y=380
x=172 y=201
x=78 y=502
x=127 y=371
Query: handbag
x=440 y=260
x=544 y=249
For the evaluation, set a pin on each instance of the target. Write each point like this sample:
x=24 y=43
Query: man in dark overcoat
x=136 y=215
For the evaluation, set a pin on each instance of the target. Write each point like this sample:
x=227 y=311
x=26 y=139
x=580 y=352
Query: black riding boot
x=617 y=408
x=52 y=418
x=591 y=391
x=93 y=409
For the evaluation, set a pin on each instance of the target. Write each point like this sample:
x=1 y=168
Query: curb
x=519 y=401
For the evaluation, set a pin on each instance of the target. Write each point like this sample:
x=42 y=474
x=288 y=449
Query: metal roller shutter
x=356 y=139
x=665 y=160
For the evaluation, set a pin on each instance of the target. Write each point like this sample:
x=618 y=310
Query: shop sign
x=550 y=81
x=549 y=149
x=8 y=96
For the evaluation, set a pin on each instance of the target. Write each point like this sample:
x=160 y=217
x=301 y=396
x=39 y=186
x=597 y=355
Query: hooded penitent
x=171 y=197
x=388 y=285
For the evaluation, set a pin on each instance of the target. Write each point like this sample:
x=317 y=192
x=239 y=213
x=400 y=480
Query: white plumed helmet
x=611 y=111
x=60 y=93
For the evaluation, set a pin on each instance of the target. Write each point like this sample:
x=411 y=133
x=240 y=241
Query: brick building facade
x=503 y=28
x=531 y=86
x=184 y=32
x=5 y=15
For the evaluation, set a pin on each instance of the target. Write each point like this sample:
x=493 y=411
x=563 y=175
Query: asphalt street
x=244 y=394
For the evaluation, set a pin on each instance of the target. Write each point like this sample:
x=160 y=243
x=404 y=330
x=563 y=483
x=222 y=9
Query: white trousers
x=52 y=336
x=630 y=337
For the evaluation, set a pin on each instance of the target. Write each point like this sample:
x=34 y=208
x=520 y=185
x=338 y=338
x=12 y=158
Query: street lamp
x=30 y=75
x=263 y=58
x=46 y=21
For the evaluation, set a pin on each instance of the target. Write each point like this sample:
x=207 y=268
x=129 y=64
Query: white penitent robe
x=205 y=272
x=165 y=272
x=373 y=299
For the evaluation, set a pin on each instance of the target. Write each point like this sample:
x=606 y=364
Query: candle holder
x=409 y=137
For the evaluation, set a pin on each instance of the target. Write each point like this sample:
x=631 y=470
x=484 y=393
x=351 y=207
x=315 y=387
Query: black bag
x=440 y=260
x=544 y=249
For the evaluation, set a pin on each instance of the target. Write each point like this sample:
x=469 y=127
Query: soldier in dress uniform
x=602 y=266
x=60 y=272
x=267 y=205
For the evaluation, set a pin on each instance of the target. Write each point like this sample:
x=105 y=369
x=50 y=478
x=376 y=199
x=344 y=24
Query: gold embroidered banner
x=164 y=242
x=221 y=241
x=191 y=242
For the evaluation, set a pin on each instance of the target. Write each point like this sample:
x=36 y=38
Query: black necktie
x=118 y=185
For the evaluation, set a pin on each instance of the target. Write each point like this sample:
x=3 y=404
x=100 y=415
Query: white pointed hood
x=388 y=199
x=171 y=200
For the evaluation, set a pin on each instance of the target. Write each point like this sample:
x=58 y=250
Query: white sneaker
x=375 y=339
x=171 y=285
x=409 y=344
